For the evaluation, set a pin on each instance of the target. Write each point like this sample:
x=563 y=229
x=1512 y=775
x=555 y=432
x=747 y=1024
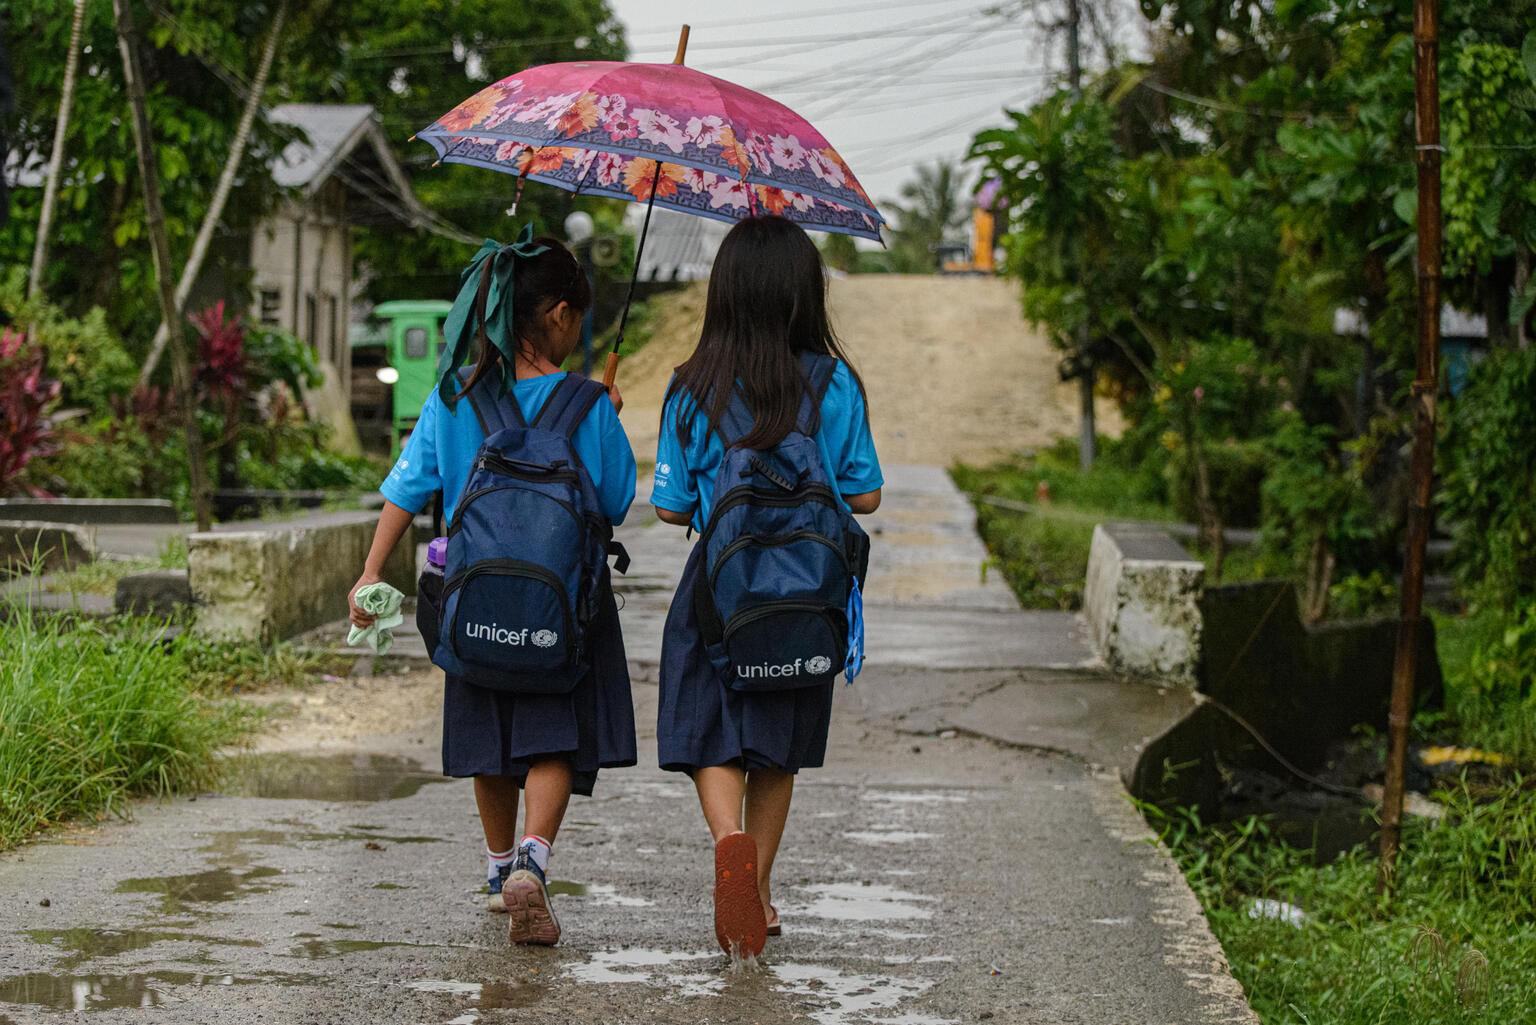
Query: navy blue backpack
x=527 y=547
x=783 y=559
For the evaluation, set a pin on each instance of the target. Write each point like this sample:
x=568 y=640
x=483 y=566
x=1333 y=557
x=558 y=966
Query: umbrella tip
x=682 y=46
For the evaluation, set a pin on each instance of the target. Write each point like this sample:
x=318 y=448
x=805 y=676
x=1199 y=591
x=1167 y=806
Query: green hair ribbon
x=484 y=306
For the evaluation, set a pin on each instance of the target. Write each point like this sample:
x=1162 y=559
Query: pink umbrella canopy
x=704 y=145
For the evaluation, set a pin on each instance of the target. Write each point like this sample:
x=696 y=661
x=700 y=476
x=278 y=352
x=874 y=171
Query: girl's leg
x=767 y=805
x=496 y=797
x=721 y=790
x=548 y=791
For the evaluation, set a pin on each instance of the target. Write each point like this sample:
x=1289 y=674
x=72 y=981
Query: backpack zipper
x=773 y=541
x=812 y=492
x=455 y=525
x=747 y=616
x=525 y=471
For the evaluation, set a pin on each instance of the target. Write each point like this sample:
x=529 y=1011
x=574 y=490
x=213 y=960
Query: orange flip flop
x=740 y=926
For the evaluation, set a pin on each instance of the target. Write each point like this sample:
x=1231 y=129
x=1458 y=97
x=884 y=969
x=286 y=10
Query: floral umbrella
x=662 y=134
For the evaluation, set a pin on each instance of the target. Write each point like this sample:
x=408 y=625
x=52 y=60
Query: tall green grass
x=92 y=713
x=1457 y=944
x=1042 y=547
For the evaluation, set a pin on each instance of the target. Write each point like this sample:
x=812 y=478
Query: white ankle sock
x=495 y=862
x=540 y=850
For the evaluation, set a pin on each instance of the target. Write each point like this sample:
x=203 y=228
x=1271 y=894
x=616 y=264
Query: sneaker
x=527 y=902
x=493 y=887
x=741 y=928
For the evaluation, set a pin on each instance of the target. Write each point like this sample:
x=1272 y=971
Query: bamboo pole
x=155 y=217
x=204 y=238
x=1426 y=50
x=56 y=158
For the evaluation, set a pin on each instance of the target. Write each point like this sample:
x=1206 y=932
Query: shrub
x=1489 y=480
x=26 y=401
x=95 y=712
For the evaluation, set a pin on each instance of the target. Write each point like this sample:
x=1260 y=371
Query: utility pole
x=1426 y=74
x=1087 y=443
x=56 y=158
x=181 y=374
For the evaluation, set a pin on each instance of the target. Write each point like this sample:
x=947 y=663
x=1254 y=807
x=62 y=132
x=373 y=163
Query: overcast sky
x=890 y=84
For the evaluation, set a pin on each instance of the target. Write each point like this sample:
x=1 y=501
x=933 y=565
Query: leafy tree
x=413 y=62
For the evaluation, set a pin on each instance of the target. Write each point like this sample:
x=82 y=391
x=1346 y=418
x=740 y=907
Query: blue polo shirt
x=439 y=452
x=685 y=476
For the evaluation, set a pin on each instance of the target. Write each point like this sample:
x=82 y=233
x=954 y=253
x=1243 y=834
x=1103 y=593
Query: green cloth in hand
x=383 y=602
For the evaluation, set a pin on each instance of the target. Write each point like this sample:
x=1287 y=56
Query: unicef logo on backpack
x=544 y=638
x=818 y=665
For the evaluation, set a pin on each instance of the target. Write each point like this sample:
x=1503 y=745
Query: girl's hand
x=357 y=615
x=616 y=398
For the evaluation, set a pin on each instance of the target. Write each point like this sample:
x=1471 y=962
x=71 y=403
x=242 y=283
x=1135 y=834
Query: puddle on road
x=889 y=836
x=637 y=964
x=840 y=994
x=211 y=887
x=320 y=948
x=337 y=777
x=856 y=902
x=105 y=992
x=486 y=996
x=85 y=944
x=914 y=797
x=236 y=843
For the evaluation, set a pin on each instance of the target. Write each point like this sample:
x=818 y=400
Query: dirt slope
x=951 y=369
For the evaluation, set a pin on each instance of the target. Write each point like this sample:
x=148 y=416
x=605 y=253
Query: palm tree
x=935 y=208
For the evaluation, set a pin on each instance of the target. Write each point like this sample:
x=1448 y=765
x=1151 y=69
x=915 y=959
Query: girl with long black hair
x=765 y=339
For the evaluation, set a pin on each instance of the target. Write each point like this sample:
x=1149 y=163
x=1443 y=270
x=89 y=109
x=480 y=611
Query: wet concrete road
x=938 y=869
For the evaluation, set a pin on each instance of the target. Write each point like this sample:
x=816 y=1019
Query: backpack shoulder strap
x=495 y=413
x=568 y=405
x=819 y=369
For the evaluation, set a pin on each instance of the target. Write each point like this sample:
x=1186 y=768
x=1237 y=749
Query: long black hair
x=538 y=283
x=767 y=304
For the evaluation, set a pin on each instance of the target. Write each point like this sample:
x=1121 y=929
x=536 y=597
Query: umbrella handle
x=611 y=370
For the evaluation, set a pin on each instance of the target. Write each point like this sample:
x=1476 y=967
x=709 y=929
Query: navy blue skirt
x=493 y=733
x=702 y=722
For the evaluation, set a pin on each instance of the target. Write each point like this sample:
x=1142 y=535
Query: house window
x=271 y=305
x=416 y=343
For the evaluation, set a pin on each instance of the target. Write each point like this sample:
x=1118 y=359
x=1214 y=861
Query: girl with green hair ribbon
x=522 y=304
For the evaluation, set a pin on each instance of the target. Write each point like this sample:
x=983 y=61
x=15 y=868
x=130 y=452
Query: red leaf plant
x=26 y=397
x=221 y=366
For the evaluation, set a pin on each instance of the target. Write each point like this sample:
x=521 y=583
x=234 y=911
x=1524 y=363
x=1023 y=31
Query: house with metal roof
x=344 y=174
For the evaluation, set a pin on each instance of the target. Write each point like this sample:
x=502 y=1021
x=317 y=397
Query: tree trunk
x=154 y=215
x=56 y=159
x=1522 y=281
x=1212 y=533
x=1320 y=566
x=220 y=195
x=108 y=272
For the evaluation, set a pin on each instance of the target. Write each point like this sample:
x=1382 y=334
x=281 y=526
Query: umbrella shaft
x=639 y=250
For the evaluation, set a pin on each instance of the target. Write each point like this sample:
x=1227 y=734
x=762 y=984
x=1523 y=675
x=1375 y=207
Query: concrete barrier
x=1302 y=688
x=89 y=510
x=1141 y=601
x=268 y=585
x=31 y=546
